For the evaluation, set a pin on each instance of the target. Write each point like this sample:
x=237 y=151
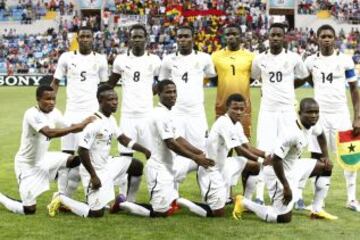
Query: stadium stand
x=30 y=53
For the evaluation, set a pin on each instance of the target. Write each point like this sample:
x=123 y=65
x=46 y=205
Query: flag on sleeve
x=348 y=150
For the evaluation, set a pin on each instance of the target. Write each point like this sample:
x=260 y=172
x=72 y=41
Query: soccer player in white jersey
x=227 y=133
x=137 y=70
x=277 y=69
x=288 y=169
x=34 y=165
x=98 y=171
x=83 y=70
x=330 y=71
x=188 y=68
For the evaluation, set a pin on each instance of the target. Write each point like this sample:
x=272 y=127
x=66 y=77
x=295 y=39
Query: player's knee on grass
x=218 y=212
x=284 y=218
x=29 y=210
x=73 y=161
x=96 y=213
x=136 y=168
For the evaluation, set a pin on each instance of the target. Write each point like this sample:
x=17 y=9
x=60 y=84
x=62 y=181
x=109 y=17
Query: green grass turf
x=184 y=225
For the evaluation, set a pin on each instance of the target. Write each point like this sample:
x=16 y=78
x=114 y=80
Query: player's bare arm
x=280 y=174
x=59 y=132
x=85 y=160
x=113 y=79
x=55 y=85
x=200 y=159
x=128 y=142
x=356 y=106
x=189 y=146
x=324 y=150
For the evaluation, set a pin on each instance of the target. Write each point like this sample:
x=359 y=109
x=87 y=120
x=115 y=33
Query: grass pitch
x=184 y=225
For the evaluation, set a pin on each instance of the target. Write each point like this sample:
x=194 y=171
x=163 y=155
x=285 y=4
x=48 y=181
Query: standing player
x=277 y=69
x=137 y=70
x=288 y=170
x=34 y=165
x=83 y=71
x=225 y=134
x=330 y=71
x=97 y=173
x=188 y=68
x=233 y=68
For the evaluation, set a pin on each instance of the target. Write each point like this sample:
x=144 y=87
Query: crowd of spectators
x=26 y=11
x=24 y=53
x=342 y=10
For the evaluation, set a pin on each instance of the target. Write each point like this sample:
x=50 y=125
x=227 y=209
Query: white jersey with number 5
x=137 y=75
x=188 y=73
x=277 y=73
x=330 y=74
x=83 y=73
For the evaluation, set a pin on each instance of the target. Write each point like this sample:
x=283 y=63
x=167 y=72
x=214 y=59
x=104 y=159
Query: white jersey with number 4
x=277 y=73
x=224 y=135
x=330 y=74
x=96 y=137
x=188 y=73
x=34 y=144
x=137 y=76
x=83 y=73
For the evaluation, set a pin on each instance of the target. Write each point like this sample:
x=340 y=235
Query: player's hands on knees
x=327 y=162
x=201 y=160
x=95 y=182
x=287 y=195
x=267 y=160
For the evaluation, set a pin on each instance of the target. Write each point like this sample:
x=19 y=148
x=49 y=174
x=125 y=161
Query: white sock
x=12 y=205
x=350 y=178
x=68 y=181
x=300 y=189
x=133 y=188
x=123 y=184
x=135 y=209
x=79 y=208
x=250 y=186
x=192 y=207
x=260 y=185
x=322 y=185
x=266 y=213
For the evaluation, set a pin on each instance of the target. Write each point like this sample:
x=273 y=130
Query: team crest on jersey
x=197 y=65
x=286 y=65
x=99 y=136
x=338 y=68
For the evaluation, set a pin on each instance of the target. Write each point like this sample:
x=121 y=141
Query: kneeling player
x=287 y=169
x=159 y=170
x=98 y=171
x=34 y=165
x=227 y=133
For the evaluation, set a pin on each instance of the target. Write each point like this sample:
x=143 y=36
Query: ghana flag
x=348 y=150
